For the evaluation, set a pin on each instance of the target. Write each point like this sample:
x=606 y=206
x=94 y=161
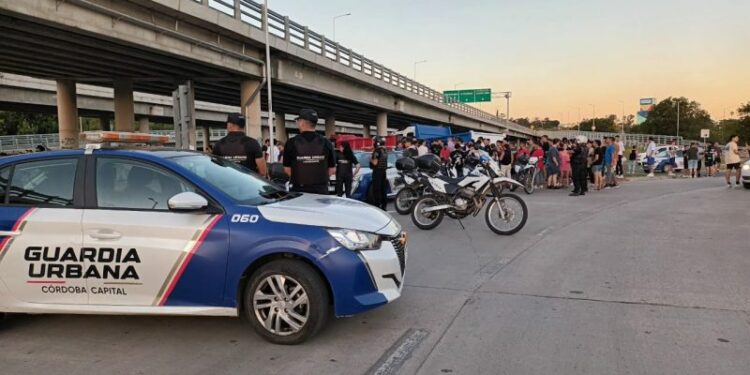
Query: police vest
x=235 y=147
x=310 y=166
x=382 y=159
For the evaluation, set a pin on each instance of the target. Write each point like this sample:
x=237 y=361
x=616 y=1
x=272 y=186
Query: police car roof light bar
x=123 y=137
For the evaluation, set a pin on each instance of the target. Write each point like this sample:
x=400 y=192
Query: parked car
x=362 y=180
x=746 y=174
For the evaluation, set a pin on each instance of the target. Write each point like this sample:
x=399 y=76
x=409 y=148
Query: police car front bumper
x=364 y=280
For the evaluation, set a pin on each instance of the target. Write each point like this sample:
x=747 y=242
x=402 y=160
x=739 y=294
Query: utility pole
x=678 y=120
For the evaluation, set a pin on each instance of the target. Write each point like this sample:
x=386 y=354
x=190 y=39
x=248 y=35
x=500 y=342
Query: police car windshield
x=234 y=180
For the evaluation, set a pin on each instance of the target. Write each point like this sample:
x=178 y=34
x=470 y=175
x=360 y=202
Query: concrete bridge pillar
x=366 y=131
x=280 y=127
x=251 y=108
x=330 y=126
x=143 y=125
x=382 y=124
x=67 y=113
x=124 y=112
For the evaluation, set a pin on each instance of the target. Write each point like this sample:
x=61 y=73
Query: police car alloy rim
x=281 y=305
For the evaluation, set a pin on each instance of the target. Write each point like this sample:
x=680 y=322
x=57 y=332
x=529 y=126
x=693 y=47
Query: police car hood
x=331 y=212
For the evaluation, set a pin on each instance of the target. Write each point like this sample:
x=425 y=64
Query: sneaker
x=729 y=185
x=650 y=175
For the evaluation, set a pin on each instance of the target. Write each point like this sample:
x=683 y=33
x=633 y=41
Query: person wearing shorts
x=732 y=157
x=598 y=164
x=553 y=165
x=650 y=156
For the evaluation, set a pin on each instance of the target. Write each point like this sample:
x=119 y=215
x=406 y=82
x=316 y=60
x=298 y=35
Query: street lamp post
x=271 y=147
x=334 y=23
x=593 y=117
x=678 y=120
x=622 y=124
x=415 y=68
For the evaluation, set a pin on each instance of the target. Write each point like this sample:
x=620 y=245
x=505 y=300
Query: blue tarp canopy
x=431 y=131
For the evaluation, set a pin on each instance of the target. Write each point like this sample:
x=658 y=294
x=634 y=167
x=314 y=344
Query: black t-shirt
x=240 y=148
x=633 y=155
x=291 y=160
x=344 y=164
x=506 y=157
x=599 y=155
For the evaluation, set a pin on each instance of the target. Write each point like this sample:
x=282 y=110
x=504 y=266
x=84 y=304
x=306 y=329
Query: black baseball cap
x=308 y=114
x=237 y=119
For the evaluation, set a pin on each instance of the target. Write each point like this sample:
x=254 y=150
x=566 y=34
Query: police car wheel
x=286 y=302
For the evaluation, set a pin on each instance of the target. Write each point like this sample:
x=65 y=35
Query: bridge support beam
x=124 y=111
x=67 y=113
x=330 y=126
x=250 y=106
x=382 y=124
x=366 y=131
x=143 y=125
x=280 y=127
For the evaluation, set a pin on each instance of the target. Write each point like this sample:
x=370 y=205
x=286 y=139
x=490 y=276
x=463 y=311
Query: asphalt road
x=652 y=278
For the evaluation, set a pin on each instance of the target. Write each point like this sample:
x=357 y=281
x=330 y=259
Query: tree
x=663 y=119
x=604 y=124
x=18 y=123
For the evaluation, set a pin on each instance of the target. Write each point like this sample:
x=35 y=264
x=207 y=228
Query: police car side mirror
x=187 y=201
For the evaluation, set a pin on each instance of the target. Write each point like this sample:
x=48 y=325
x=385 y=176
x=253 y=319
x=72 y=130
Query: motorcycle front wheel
x=528 y=185
x=426 y=220
x=506 y=214
x=405 y=199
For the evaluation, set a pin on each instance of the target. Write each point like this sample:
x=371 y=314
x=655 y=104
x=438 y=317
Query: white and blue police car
x=127 y=231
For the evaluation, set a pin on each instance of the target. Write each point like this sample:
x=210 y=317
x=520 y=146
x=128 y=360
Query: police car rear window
x=48 y=182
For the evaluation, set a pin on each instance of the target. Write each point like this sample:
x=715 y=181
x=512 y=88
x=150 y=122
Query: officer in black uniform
x=309 y=157
x=379 y=164
x=578 y=163
x=240 y=148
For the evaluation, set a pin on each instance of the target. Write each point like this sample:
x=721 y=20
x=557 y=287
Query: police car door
x=40 y=233
x=145 y=252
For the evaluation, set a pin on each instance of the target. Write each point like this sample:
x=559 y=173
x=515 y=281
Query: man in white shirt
x=650 y=156
x=620 y=153
x=732 y=157
x=422 y=148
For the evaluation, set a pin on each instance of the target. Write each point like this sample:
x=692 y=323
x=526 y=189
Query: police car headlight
x=746 y=167
x=355 y=240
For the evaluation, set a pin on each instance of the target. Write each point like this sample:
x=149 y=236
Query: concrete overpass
x=21 y=93
x=151 y=46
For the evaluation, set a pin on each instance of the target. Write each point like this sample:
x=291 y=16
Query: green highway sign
x=468 y=96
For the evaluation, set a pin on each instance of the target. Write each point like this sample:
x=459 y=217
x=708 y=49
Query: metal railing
x=11 y=143
x=282 y=27
x=627 y=138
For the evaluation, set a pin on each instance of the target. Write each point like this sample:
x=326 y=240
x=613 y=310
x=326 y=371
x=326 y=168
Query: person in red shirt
x=538 y=152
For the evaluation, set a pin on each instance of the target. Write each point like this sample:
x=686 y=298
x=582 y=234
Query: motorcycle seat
x=451 y=180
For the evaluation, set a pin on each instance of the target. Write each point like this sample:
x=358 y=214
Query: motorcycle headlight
x=355 y=240
x=746 y=167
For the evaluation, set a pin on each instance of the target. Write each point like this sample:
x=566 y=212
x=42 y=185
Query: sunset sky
x=555 y=56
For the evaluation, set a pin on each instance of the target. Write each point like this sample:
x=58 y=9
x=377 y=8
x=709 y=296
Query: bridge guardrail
x=282 y=27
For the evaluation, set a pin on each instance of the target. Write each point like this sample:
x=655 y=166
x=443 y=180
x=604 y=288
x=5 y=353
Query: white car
x=364 y=161
x=746 y=174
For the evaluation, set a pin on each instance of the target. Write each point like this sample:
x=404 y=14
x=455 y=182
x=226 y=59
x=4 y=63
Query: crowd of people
x=601 y=162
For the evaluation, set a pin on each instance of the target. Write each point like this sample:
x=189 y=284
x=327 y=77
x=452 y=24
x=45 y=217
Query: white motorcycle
x=506 y=213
